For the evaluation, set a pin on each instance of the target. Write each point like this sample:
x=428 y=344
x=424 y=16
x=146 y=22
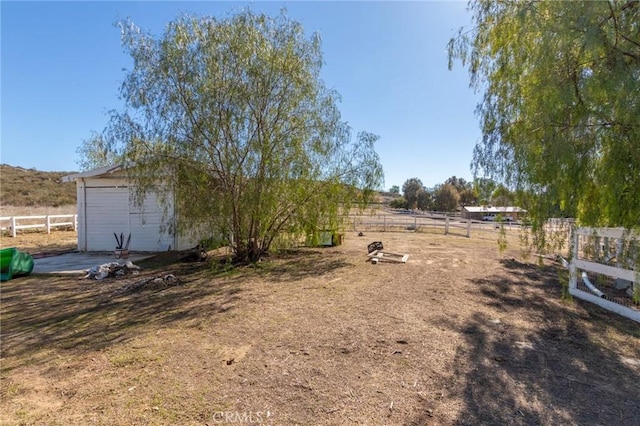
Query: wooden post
x=468 y=228
x=446 y=225
x=48 y=219
x=573 y=277
x=13 y=226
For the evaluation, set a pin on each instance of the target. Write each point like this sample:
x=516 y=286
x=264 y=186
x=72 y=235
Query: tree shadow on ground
x=300 y=264
x=557 y=371
x=63 y=313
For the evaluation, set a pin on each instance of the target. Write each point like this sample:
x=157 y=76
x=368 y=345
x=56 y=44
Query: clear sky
x=62 y=65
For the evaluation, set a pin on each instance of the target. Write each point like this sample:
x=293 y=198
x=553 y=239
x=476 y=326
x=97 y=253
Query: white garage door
x=145 y=224
x=109 y=211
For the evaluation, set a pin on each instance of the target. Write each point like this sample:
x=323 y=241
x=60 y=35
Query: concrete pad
x=78 y=263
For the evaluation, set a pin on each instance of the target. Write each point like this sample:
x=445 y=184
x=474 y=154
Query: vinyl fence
x=605 y=269
x=431 y=222
x=15 y=223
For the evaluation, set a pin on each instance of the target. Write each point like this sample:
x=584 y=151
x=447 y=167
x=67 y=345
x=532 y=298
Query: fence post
x=13 y=226
x=446 y=226
x=415 y=224
x=48 y=219
x=468 y=228
x=573 y=277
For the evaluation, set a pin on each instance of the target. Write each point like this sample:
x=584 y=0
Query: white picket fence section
x=597 y=262
x=40 y=221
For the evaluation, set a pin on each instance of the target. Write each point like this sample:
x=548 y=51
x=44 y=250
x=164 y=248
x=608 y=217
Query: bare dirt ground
x=461 y=334
x=39 y=243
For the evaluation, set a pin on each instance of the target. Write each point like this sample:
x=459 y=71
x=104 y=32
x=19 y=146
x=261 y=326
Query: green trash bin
x=14 y=262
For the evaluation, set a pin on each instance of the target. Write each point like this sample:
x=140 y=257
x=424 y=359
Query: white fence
x=43 y=221
x=604 y=269
x=391 y=223
x=426 y=223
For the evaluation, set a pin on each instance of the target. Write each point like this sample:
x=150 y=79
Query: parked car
x=493 y=218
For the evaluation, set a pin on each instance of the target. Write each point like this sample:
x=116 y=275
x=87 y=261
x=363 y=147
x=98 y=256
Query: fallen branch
x=153 y=283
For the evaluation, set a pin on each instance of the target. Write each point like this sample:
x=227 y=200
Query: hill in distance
x=34 y=188
x=22 y=187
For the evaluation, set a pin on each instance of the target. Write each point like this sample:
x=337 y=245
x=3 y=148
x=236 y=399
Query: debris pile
x=152 y=283
x=111 y=269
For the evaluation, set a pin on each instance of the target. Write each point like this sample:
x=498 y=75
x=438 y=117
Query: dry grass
x=39 y=242
x=31 y=187
x=461 y=334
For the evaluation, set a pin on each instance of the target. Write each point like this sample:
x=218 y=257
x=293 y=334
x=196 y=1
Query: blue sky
x=62 y=64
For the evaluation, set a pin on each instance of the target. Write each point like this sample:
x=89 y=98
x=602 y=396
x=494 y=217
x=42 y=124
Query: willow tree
x=560 y=113
x=230 y=121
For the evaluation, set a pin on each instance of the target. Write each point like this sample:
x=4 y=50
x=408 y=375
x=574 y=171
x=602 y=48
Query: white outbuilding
x=106 y=207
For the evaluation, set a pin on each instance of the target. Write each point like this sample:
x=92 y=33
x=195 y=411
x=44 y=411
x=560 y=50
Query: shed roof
x=91 y=173
x=491 y=209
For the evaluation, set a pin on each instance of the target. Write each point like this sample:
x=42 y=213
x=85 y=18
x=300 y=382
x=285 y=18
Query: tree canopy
x=560 y=114
x=446 y=198
x=97 y=151
x=232 y=117
x=410 y=190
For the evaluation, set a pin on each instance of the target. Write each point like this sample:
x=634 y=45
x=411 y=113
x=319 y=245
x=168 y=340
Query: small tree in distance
x=425 y=200
x=468 y=197
x=446 y=198
x=410 y=189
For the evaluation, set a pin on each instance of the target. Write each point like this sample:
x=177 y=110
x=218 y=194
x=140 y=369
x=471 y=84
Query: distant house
x=485 y=212
x=105 y=207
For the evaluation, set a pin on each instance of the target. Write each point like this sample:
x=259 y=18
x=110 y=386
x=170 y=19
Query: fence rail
x=426 y=222
x=39 y=221
x=608 y=261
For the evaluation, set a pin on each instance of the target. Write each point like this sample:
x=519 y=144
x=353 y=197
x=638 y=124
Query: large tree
x=560 y=113
x=232 y=118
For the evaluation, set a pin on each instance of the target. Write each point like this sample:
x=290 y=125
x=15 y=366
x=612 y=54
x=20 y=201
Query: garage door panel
x=107 y=212
x=112 y=210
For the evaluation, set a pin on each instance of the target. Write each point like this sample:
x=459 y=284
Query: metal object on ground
x=376 y=245
x=386 y=256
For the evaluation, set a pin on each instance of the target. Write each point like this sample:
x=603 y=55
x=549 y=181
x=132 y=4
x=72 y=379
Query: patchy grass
x=461 y=334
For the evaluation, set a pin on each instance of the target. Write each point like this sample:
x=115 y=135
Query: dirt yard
x=461 y=334
x=39 y=243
